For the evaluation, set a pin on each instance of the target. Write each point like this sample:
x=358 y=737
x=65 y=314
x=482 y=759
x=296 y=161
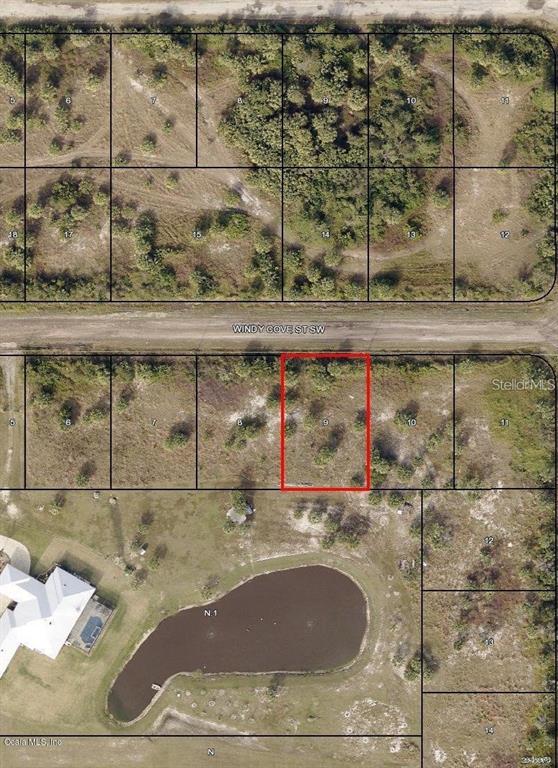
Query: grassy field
x=325 y=418
x=12 y=204
x=493 y=215
x=228 y=752
x=484 y=539
x=238 y=422
x=504 y=423
x=154 y=423
x=411 y=422
x=11 y=102
x=504 y=411
x=68 y=432
x=12 y=424
x=154 y=80
x=486 y=641
x=68 y=88
x=184 y=531
x=498 y=730
x=67 y=234
x=193 y=234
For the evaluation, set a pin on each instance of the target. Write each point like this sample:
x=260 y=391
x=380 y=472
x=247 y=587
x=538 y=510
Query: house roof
x=44 y=614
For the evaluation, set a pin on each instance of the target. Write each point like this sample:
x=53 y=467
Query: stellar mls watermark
x=524 y=385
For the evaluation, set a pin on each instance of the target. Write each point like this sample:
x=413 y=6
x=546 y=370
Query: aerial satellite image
x=278 y=390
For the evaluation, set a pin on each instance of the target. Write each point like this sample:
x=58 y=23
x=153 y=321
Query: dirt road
x=391 y=328
x=402 y=328
x=295 y=9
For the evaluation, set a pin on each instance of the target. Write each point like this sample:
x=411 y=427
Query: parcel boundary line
x=452 y=358
x=424 y=733
x=283 y=168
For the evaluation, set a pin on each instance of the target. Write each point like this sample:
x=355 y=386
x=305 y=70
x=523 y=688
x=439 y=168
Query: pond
x=307 y=619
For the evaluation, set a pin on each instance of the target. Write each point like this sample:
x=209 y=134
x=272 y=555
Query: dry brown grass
x=185 y=205
x=509 y=520
x=496 y=237
x=154 y=424
x=12 y=424
x=411 y=423
x=72 y=453
x=145 y=105
x=465 y=720
x=11 y=101
x=325 y=440
x=70 y=66
x=496 y=650
x=238 y=425
x=11 y=241
x=81 y=250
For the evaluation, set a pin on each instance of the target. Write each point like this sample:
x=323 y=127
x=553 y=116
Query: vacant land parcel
x=486 y=641
x=67 y=244
x=496 y=729
x=68 y=406
x=305 y=165
x=193 y=234
x=12 y=250
x=154 y=99
x=12 y=110
x=240 y=100
x=214 y=421
x=504 y=429
x=67 y=115
x=238 y=421
x=13 y=422
x=412 y=422
x=489 y=539
x=325 y=421
x=154 y=422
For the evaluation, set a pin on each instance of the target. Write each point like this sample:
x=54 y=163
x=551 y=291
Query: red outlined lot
x=366 y=357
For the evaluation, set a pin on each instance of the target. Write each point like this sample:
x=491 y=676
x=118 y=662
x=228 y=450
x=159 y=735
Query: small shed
x=240 y=516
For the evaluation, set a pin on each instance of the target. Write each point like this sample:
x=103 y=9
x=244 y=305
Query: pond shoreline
x=336 y=613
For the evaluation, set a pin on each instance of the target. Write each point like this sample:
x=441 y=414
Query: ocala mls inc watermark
x=279 y=329
x=32 y=741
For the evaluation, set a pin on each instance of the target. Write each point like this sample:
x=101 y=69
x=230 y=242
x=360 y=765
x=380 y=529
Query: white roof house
x=44 y=614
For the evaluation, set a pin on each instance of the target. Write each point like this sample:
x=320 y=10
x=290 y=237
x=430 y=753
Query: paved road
x=211 y=328
x=362 y=9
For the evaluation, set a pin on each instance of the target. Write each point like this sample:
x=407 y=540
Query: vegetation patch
x=154 y=422
x=68 y=99
x=68 y=409
x=67 y=237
